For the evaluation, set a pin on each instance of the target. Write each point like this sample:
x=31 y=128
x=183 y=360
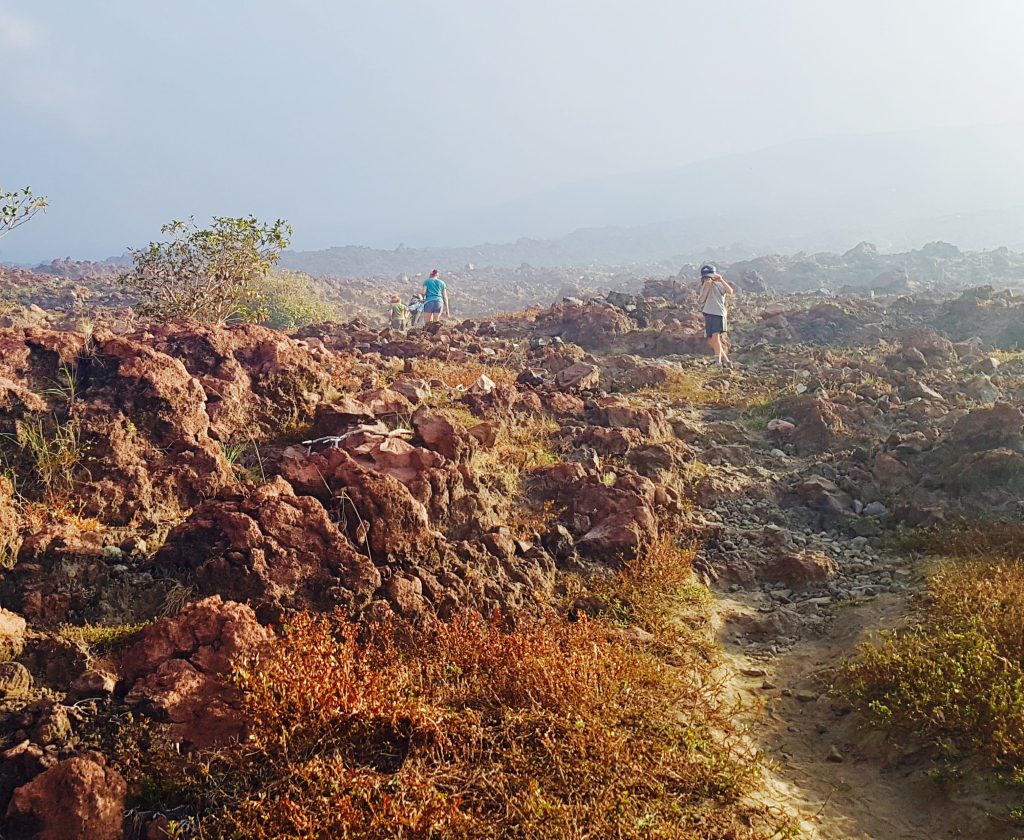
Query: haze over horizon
x=456 y=122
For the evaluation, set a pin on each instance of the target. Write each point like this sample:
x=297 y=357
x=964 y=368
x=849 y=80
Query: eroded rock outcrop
x=271 y=548
x=178 y=669
x=76 y=799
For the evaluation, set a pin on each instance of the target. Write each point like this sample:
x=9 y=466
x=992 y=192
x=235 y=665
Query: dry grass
x=47 y=451
x=957 y=678
x=65 y=510
x=465 y=374
x=534 y=728
x=712 y=386
x=683 y=387
x=523 y=444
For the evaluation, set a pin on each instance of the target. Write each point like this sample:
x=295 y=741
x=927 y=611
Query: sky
x=366 y=122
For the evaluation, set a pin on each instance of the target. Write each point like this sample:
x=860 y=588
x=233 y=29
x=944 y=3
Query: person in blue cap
x=714 y=294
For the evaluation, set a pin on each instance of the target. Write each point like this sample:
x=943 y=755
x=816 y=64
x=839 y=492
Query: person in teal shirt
x=436 y=302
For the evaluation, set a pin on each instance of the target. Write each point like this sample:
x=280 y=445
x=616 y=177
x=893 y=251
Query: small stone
x=94 y=683
x=753 y=672
x=12 y=634
x=15 y=680
x=805 y=696
x=834 y=755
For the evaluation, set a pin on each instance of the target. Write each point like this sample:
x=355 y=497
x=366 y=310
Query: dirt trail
x=873 y=793
x=839 y=779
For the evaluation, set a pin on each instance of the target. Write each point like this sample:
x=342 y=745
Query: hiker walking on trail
x=713 y=302
x=399 y=314
x=436 y=302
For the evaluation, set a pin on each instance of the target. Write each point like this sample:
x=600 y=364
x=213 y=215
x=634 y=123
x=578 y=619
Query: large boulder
x=178 y=670
x=611 y=521
x=1000 y=426
x=619 y=413
x=379 y=511
x=990 y=472
x=443 y=436
x=818 y=424
x=628 y=372
x=935 y=349
x=78 y=799
x=255 y=379
x=823 y=496
x=799 y=568
x=590 y=325
x=335 y=417
x=136 y=420
x=271 y=548
x=383 y=470
x=579 y=376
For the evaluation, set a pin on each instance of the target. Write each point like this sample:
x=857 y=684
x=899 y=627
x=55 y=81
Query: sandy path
x=872 y=794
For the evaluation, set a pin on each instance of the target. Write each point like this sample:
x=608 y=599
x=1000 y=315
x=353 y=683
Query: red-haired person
x=436 y=298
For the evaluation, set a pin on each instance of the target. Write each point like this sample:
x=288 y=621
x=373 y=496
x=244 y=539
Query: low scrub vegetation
x=956 y=679
x=713 y=386
x=213 y=274
x=98 y=637
x=291 y=300
x=533 y=727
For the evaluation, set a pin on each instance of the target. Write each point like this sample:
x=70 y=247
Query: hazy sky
x=361 y=121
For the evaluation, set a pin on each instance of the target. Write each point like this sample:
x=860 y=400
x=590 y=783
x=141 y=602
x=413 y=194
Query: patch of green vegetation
x=292 y=300
x=956 y=679
x=99 y=637
x=757 y=415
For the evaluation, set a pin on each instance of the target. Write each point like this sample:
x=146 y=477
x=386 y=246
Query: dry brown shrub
x=527 y=728
x=63 y=511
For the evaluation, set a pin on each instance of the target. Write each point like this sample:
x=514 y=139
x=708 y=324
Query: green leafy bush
x=17 y=207
x=957 y=678
x=212 y=275
x=291 y=300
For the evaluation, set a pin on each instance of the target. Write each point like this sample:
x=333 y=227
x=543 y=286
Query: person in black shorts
x=714 y=293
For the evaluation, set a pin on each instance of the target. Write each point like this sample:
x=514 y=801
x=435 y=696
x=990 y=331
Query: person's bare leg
x=723 y=340
x=716 y=344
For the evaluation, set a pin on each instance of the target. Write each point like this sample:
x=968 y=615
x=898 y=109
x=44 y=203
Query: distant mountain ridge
x=803 y=188
x=900 y=190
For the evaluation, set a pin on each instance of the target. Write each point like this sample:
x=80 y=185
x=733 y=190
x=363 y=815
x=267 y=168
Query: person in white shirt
x=713 y=300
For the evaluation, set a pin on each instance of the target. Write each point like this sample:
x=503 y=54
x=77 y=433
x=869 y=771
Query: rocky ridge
x=208 y=482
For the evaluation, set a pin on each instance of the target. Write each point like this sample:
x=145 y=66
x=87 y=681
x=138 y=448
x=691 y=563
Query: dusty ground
x=872 y=793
